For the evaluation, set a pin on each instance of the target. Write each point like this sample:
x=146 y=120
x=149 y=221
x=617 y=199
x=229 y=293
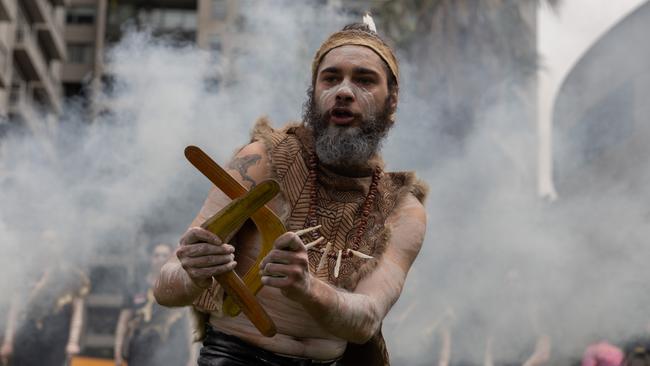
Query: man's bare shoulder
x=251 y=164
x=408 y=223
x=408 y=210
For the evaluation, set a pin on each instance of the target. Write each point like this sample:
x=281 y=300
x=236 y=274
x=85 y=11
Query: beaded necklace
x=312 y=219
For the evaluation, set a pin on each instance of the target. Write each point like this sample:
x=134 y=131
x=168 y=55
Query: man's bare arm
x=205 y=256
x=352 y=316
x=76 y=324
x=6 y=350
x=201 y=255
x=120 y=335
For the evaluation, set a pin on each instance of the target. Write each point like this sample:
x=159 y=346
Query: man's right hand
x=202 y=255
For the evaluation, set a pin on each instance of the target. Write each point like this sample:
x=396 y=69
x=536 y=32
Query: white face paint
x=350 y=93
x=367 y=104
x=352 y=77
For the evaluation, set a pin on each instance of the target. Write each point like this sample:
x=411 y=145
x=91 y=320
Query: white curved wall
x=563 y=36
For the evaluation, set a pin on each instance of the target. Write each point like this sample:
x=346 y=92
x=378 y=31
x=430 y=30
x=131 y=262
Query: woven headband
x=355 y=37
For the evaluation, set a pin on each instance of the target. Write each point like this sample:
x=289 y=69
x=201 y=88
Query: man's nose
x=344 y=93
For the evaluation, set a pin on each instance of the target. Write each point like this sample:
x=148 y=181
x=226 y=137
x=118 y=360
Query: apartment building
x=32 y=51
x=54 y=49
x=92 y=27
x=84 y=38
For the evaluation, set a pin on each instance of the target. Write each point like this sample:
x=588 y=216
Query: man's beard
x=343 y=146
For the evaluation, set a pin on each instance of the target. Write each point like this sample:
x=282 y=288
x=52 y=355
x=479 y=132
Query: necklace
x=312 y=219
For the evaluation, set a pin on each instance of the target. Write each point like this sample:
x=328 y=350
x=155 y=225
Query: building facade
x=54 y=49
x=601 y=115
x=84 y=37
x=32 y=52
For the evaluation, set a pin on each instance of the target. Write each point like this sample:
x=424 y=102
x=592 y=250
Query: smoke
x=496 y=259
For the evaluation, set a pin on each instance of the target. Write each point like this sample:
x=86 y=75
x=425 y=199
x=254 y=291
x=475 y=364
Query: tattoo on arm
x=241 y=164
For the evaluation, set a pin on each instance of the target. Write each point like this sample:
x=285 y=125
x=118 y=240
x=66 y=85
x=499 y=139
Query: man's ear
x=394 y=98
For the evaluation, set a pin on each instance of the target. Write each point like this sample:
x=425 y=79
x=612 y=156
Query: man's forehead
x=352 y=55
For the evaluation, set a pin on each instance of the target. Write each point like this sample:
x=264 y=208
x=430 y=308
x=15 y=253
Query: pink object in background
x=602 y=354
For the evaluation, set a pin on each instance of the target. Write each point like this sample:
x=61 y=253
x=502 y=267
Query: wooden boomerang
x=269 y=226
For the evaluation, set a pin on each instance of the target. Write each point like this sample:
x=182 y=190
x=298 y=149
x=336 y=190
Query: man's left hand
x=287 y=267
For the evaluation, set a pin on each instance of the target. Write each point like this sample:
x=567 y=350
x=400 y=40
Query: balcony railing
x=51 y=16
x=28 y=51
x=49 y=30
x=18 y=92
x=30 y=59
x=21 y=103
x=7 y=10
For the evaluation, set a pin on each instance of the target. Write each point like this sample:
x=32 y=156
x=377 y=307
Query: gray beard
x=346 y=147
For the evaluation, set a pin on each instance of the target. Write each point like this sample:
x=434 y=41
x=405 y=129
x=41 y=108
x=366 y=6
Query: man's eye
x=330 y=79
x=365 y=81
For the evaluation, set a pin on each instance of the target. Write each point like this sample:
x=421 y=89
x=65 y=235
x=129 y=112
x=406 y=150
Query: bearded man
x=328 y=300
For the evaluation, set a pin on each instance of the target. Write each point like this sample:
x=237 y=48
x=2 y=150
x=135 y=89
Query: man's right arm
x=201 y=255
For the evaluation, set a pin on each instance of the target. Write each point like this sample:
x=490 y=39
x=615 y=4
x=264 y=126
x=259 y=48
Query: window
x=168 y=19
x=16 y=92
x=80 y=15
x=219 y=9
x=80 y=53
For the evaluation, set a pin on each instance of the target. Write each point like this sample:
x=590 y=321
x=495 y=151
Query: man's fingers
x=203 y=249
x=279 y=256
x=289 y=241
x=199 y=235
x=278 y=282
x=275 y=270
x=207 y=261
x=281 y=270
x=208 y=272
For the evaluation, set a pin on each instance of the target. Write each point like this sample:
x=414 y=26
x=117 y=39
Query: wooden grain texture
x=241 y=291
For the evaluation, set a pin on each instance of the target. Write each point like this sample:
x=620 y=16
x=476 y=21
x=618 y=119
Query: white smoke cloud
x=492 y=247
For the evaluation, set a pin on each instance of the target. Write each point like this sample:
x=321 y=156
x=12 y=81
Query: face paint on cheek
x=366 y=102
x=327 y=99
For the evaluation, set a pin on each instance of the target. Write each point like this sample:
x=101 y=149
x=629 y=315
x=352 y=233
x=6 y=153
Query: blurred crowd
x=45 y=325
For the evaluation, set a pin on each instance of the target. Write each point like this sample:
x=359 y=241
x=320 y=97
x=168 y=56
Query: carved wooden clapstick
x=241 y=292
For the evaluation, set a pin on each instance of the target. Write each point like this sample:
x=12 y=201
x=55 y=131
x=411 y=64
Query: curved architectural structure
x=601 y=117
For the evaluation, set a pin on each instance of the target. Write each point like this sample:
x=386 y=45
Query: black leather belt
x=221 y=349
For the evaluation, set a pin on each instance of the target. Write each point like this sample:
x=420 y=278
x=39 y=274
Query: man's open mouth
x=342 y=115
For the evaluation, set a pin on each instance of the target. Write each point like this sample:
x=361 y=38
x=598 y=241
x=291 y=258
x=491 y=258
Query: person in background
x=602 y=354
x=635 y=351
x=516 y=334
x=44 y=327
x=147 y=333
